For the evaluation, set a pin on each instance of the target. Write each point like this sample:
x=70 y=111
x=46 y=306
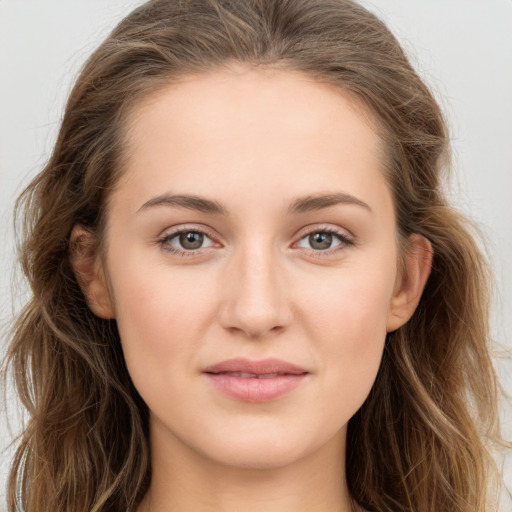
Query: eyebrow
x=319 y=201
x=189 y=202
x=301 y=205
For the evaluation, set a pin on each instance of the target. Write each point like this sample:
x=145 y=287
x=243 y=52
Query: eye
x=186 y=241
x=323 y=240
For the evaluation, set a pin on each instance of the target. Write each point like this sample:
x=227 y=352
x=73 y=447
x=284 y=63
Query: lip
x=255 y=381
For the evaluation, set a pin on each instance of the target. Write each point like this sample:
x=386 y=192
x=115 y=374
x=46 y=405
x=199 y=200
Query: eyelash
x=163 y=242
x=344 y=239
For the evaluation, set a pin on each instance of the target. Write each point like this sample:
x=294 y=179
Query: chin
x=272 y=450
x=265 y=456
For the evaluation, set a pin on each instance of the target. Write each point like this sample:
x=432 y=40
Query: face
x=251 y=259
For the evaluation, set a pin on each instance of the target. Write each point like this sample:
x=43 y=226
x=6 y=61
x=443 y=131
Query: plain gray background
x=463 y=49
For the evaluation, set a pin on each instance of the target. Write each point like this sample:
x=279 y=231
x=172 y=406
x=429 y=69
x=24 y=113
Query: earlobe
x=411 y=281
x=89 y=273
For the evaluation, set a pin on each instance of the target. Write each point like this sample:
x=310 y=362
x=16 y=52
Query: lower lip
x=255 y=390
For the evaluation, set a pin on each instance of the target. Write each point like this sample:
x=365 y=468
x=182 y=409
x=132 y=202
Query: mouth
x=251 y=375
x=255 y=381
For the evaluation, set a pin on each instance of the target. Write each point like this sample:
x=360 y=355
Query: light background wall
x=463 y=48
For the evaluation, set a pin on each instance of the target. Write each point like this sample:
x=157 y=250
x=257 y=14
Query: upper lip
x=261 y=367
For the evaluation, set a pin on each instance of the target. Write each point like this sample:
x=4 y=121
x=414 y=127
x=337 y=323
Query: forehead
x=205 y=104
x=280 y=128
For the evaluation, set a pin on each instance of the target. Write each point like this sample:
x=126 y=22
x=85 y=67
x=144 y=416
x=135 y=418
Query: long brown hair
x=419 y=442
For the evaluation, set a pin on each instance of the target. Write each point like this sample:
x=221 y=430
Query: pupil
x=191 y=240
x=320 y=241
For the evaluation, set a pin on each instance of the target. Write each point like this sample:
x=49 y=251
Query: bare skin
x=253 y=220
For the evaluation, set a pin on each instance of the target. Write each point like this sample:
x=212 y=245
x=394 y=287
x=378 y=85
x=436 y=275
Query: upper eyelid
x=163 y=241
x=168 y=234
x=346 y=238
x=193 y=228
x=329 y=228
x=299 y=235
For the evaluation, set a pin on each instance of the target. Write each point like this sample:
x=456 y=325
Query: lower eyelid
x=164 y=240
x=342 y=237
x=344 y=240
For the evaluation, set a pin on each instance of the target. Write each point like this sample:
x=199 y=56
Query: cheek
x=161 y=317
x=352 y=305
x=348 y=320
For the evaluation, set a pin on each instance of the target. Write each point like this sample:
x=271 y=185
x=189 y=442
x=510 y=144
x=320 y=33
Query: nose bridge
x=256 y=300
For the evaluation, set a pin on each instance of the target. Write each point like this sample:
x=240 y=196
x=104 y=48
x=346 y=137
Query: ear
x=89 y=273
x=410 y=282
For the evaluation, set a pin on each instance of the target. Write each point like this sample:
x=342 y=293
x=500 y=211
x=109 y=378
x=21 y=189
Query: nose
x=256 y=301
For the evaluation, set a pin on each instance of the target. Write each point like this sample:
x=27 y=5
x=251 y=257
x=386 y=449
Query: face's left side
x=252 y=262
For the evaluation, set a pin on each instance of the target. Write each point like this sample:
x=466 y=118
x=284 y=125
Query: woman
x=249 y=290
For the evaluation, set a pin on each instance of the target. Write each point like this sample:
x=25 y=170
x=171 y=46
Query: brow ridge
x=187 y=201
x=319 y=201
x=300 y=205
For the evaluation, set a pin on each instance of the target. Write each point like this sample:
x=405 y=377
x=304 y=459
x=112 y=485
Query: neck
x=184 y=480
